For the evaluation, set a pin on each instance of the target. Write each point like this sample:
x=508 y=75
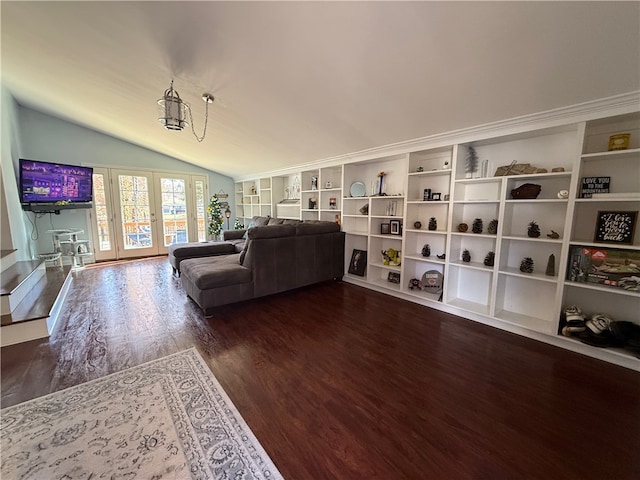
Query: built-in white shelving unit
x=428 y=181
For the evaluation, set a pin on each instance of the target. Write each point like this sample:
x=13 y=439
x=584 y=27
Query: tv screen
x=44 y=182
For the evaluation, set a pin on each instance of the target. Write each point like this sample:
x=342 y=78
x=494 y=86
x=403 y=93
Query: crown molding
x=582 y=112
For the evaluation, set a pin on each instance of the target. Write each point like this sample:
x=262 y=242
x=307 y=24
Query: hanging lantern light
x=172 y=110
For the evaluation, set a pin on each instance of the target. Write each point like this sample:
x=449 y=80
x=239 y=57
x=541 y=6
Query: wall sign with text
x=615 y=227
x=591 y=185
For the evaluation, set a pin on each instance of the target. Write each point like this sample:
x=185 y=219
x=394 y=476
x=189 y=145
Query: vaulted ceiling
x=297 y=82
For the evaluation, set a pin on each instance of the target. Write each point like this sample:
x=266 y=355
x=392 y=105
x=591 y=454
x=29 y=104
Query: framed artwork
x=435 y=196
x=615 y=227
x=358 y=263
x=395 y=227
x=393 y=277
x=385 y=229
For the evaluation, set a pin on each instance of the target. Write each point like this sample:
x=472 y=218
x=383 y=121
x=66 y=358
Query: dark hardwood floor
x=339 y=382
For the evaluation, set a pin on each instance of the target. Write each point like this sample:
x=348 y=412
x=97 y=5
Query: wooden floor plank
x=340 y=382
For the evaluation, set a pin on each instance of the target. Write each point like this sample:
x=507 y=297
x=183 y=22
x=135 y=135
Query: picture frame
x=393 y=277
x=615 y=227
x=395 y=227
x=358 y=263
x=436 y=196
x=385 y=229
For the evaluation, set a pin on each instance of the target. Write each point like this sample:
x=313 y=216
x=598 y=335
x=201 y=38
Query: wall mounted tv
x=53 y=186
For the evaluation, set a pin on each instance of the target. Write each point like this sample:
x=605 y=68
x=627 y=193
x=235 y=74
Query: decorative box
x=611 y=267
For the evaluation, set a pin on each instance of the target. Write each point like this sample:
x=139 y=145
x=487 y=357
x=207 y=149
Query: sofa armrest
x=233 y=234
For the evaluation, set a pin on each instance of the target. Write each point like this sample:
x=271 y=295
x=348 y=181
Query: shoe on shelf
x=599 y=323
x=573 y=313
x=574 y=321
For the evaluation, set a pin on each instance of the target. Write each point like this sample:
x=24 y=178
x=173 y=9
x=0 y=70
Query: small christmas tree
x=493 y=227
x=534 y=230
x=433 y=223
x=490 y=259
x=477 y=226
x=426 y=250
x=216 y=217
x=237 y=224
x=466 y=256
x=471 y=162
x=526 y=265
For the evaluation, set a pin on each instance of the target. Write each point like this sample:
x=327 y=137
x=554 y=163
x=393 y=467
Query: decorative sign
x=615 y=227
x=591 y=185
x=432 y=281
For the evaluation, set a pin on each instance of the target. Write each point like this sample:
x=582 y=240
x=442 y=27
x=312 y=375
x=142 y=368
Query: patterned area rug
x=168 y=418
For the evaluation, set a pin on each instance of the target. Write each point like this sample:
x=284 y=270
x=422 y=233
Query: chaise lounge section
x=275 y=258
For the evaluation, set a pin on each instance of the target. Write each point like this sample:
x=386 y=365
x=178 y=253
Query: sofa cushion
x=243 y=252
x=200 y=249
x=211 y=272
x=256 y=221
x=275 y=221
x=271 y=231
x=233 y=234
x=316 y=227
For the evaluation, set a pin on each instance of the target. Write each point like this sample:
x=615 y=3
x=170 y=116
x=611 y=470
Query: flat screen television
x=51 y=183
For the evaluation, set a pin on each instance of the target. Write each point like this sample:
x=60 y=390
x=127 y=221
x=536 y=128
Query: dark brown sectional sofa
x=274 y=258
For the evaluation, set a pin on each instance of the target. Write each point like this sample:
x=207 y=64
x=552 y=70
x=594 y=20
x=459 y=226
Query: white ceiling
x=297 y=82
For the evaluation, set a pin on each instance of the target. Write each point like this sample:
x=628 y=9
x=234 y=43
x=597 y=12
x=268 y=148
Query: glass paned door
x=137 y=218
x=102 y=216
x=200 y=209
x=127 y=205
x=173 y=225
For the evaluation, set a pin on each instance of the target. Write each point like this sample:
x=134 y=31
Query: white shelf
x=522 y=238
x=388 y=236
x=529 y=276
x=420 y=258
x=539 y=200
x=422 y=230
x=469 y=306
x=430 y=173
x=591 y=244
x=624 y=198
x=526 y=321
x=474 y=235
x=603 y=288
x=394 y=268
x=471 y=265
x=386 y=284
x=611 y=155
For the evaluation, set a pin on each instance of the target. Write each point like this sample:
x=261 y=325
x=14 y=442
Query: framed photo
x=615 y=227
x=393 y=277
x=385 y=229
x=358 y=263
x=395 y=227
x=435 y=196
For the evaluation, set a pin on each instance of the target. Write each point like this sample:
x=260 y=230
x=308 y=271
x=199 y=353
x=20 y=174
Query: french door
x=140 y=213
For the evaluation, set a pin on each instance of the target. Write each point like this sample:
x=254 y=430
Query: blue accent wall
x=52 y=139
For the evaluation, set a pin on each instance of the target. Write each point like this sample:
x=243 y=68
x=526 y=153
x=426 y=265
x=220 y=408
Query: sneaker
x=573 y=313
x=599 y=323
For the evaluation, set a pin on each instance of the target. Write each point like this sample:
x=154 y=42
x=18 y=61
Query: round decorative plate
x=432 y=281
x=357 y=189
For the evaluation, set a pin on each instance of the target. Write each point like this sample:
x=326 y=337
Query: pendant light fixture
x=173 y=111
